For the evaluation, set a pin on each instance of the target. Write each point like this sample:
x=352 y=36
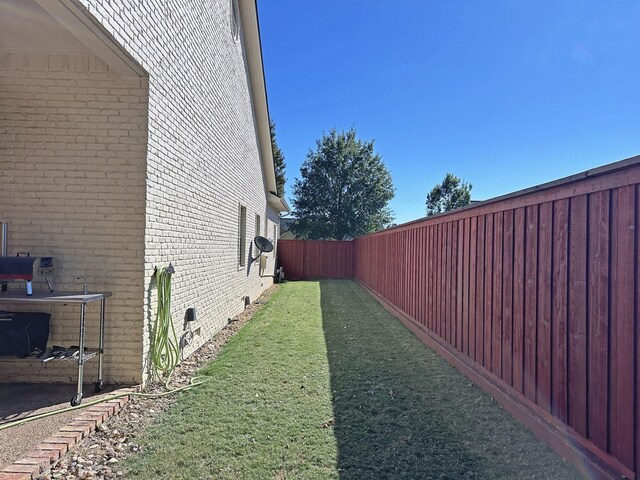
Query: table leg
x=78 y=397
x=103 y=305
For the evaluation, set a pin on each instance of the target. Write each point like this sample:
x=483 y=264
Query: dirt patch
x=99 y=455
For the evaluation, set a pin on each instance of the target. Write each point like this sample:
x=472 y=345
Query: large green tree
x=278 y=160
x=344 y=191
x=451 y=193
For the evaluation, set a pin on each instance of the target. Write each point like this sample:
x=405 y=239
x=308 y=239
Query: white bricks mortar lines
x=115 y=176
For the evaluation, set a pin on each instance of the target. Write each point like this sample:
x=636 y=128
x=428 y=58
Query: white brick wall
x=72 y=185
x=202 y=161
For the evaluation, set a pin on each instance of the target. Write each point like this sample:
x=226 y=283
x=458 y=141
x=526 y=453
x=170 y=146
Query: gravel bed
x=99 y=455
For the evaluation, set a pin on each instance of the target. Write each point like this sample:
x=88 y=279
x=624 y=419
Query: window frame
x=242 y=235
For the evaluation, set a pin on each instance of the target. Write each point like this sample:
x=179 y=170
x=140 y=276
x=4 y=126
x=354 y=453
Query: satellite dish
x=263 y=244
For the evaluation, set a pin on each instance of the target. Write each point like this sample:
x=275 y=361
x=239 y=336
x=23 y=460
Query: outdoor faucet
x=84 y=287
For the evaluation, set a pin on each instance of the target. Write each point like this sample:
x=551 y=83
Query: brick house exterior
x=131 y=134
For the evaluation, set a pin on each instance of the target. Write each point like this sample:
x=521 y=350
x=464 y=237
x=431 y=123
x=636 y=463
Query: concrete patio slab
x=20 y=400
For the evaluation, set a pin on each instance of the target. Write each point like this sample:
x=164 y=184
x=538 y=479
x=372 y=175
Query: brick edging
x=39 y=460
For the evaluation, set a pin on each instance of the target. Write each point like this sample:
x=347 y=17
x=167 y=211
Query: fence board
x=459 y=283
x=543 y=350
x=560 y=297
x=451 y=317
x=507 y=300
x=530 y=302
x=598 y=299
x=424 y=272
x=637 y=331
x=577 y=315
x=444 y=243
x=413 y=303
x=465 y=295
x=480 y=291
x=622 y=324
x=496 y=335
x=417 y=269
x=433 y=272
x=439 y=290
x=488 y=291
x=518 y=301
x=472 y=286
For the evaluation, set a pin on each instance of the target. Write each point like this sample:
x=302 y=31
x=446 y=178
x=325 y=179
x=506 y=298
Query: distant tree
x=344 y=191
x=451 y=193
x=278 y=160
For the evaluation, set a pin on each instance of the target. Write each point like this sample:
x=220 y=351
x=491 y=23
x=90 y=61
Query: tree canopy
x=278 y=160
x=451 y=193
x=344 y=191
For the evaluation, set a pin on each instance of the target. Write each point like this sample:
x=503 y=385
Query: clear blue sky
x=505 y=94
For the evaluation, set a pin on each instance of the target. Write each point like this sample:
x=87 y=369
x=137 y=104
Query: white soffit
x=59 y=27
x=26 y=28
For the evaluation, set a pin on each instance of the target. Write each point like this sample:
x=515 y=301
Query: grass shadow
x=401 y=412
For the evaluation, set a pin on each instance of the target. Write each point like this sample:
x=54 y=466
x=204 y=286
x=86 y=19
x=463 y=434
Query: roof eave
x=253 y=51
x=279 y=204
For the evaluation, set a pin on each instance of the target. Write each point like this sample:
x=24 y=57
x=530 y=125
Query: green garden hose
x=165 y=349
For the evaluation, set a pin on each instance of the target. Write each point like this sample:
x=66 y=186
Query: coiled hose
x=165 y=349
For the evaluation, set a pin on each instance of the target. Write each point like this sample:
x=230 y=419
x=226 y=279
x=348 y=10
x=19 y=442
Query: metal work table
x=19 y=297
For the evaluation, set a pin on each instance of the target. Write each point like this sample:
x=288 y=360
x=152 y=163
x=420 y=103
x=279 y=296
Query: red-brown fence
x=309 y=259
x=540 y=290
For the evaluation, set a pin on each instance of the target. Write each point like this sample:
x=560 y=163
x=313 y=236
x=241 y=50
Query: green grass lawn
x=323 y=383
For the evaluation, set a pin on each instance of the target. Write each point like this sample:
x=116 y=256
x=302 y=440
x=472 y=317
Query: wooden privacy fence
x=537 y=289
x=309 y=259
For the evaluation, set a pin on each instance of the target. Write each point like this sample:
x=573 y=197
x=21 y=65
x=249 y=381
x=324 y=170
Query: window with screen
x=242 y=236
